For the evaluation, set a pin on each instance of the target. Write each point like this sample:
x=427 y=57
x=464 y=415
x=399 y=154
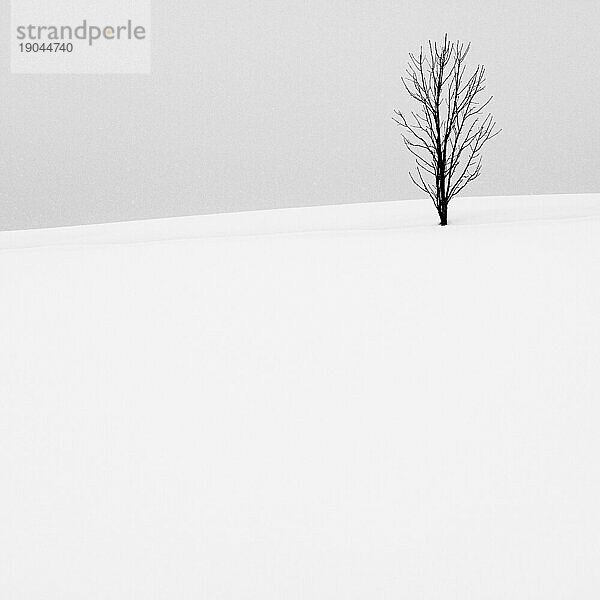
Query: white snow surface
x=337 y=402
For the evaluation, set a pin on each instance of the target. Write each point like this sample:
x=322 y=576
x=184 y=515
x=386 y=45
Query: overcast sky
x=273 y=104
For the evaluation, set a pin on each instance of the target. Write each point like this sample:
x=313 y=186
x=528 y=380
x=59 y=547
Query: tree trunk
x=443 y=214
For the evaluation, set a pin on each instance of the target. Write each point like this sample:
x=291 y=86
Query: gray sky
x=274 y=104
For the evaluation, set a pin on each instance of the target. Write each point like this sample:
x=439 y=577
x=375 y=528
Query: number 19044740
x=46 y=47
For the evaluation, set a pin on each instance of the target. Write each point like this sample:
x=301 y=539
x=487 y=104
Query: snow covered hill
x=336 y=402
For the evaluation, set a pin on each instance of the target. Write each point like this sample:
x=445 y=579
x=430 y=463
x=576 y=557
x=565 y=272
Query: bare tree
x=448 y=131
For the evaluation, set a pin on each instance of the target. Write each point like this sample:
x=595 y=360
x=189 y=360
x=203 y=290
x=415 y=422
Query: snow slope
x=340 y=402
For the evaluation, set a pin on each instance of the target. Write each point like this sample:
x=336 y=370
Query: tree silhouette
x=448 y=131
